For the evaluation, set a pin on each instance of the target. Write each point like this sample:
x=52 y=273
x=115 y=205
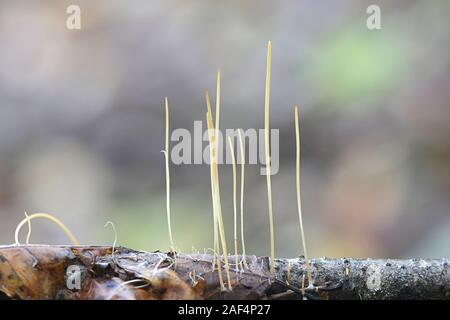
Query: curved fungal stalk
x=166 y=157
x=110 y=223
x=47 y=216
x=267 y=153
x=299 y=200
x=242 y=154
x=123 y=286
x=235 y=236
x=29 y=230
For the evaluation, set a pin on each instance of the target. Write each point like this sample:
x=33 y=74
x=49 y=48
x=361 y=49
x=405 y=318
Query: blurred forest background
x=82 y=121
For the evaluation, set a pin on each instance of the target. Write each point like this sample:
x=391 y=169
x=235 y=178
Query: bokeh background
x=82 y=121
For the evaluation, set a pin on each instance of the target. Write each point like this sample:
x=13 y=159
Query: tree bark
x=94 y=272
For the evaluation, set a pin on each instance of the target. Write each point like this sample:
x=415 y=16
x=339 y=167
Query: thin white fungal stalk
x=47 y=216
x=29 y=229
x=303 y=284
x=288 y=277
x=299 y=200
x=217 y=185
x=213 y=188
x=217 y=126
x=192 y=277
x=235 y=236
x=211 y=142
x=122 y=285
x=242 y=149
x=110 y=223
x=161 y=260
x=267 y=149
x=206 y=250
x=166 y=156
x=220 y=222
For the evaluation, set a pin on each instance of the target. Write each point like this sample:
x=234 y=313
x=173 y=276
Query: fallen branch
x=90 y=272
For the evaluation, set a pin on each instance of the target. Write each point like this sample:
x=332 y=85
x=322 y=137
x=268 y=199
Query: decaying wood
x=41 y=272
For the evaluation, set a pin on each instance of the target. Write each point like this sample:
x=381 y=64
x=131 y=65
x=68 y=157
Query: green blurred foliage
x=354 y=64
